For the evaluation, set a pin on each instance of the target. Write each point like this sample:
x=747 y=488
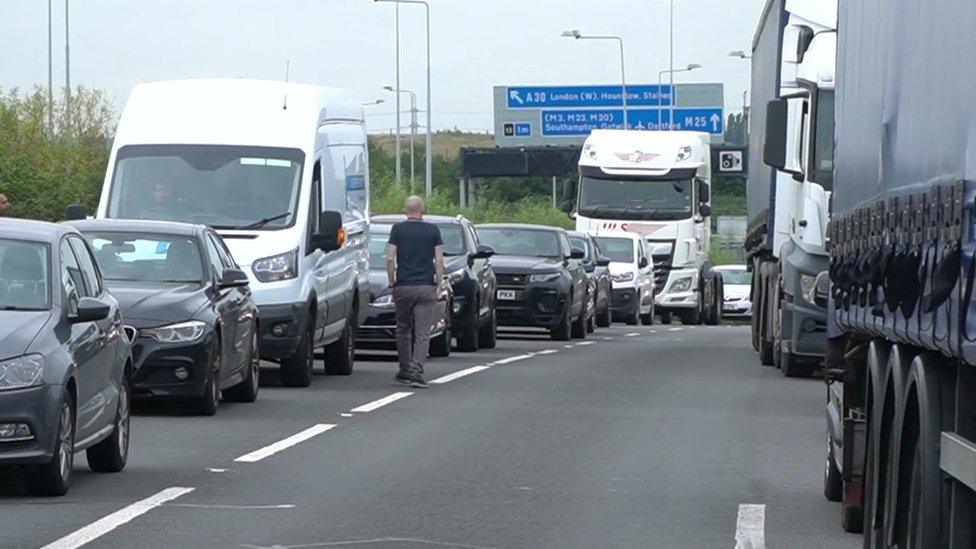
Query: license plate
x=508 y=295
x=730 y=307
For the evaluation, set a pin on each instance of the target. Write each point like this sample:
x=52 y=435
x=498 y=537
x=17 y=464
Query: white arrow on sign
x=716 y=120
x=514 y=96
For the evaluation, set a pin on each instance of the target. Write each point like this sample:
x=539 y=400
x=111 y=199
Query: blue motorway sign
x=523 y=129
x=572 y=123
x=536 y=97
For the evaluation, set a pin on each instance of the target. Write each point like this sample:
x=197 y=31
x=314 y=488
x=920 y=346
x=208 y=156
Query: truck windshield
x=223 y=186
x=635 y=199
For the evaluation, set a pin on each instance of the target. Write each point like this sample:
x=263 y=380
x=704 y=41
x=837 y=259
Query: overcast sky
x=475 y=45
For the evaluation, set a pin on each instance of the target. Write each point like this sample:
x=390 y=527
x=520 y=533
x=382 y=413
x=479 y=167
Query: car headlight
x=544 y=277
x=622 y=277
x=383 y=301
x=277 y=267
x=808 y=285
x=20 y=372
x=454 y=277
x=184 y=332
x=681 y=285
x=684 y=153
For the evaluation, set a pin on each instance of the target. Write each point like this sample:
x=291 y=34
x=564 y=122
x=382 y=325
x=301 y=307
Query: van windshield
x=225 y=187
x=635 y=199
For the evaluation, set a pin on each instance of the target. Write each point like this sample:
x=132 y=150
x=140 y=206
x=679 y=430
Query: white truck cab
x=656 y=184
x=270 y=166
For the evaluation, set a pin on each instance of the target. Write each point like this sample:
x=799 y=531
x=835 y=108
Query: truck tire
x=766 y=353
x=833 y=481
x=690 y=317
x=793 y=366
x=296 y=370
x=715 y=310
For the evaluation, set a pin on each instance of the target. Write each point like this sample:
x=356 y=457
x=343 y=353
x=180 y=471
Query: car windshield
x=453 y=240
x=635 y=199
x=225 y=187
x=25 y=275
x=735 y=276
x=379 y=237
x=620 y=250
x=582 y=244
x=524 y=242
x=138 y=257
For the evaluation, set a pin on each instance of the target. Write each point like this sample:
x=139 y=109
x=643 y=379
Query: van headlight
x=682 y=284
x=622 y=277
x=23 y=371
x=277 y=267
x=184 y=332
x=543 y=277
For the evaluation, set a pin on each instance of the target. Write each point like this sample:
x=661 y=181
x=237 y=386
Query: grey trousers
x=415 y=307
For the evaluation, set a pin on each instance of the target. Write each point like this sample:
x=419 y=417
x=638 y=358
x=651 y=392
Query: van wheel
x=54 y=477
x=488 y=337
x=296 y=370
x=340 y=356
x=468 y=340
x=110 y=455
x=634 y=318
x=648 y=319
x=247 y=390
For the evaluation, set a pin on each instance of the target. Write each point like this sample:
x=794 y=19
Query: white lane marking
x=750 y=527
x=675 y=329
x=459 y=374
x=584 y=343
x=608 y=339
x=512 y=359
x=286 y=443
x=216 y=470
x=548 y=352
x=379 y=403
x=110 y=522
x=632 y=334
x=344 y=414
x=208 y=506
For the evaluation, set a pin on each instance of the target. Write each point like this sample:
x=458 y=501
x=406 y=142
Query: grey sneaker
x=403 y=378
x=418 y=382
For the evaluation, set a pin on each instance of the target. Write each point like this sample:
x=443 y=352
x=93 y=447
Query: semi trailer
x=793 y=57
x=901 y=350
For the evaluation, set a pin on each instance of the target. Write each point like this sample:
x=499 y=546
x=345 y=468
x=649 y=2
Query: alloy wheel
x=66 y=442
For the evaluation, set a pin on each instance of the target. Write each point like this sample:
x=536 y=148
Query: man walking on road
x=415 y=268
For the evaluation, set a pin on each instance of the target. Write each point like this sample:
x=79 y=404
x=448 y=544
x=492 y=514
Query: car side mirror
x=75 y=212
x=329 y=235
x=233 y=278
x=576 y=253
x=91 y=310
x=484 y=251
x=602 y=262
x=705 y=210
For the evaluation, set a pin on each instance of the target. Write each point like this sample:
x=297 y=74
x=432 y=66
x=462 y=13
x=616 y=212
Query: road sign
x=729 y=160
x=535 y=97
x=565 y=115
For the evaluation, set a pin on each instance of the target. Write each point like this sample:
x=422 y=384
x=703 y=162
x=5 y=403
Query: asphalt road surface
x=661 y=436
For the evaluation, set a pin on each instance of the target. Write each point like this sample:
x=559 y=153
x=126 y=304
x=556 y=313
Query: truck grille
x=662 y=252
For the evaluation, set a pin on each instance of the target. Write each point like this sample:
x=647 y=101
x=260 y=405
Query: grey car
x=64 y=358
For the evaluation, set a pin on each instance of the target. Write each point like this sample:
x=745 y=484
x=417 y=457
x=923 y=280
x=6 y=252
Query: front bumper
x=293 y=319
x=155 y=366
x=804 y=325
x=38 y=407
x=379 y=330
x=539 y=306
x=668 y=299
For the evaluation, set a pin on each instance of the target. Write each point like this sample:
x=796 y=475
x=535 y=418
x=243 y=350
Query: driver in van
x=163 y=205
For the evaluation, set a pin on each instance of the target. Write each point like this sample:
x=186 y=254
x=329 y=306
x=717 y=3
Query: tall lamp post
x=660 y=120
x=575 y=34
x=413 y=128
x=428 y=185
x=374 y=102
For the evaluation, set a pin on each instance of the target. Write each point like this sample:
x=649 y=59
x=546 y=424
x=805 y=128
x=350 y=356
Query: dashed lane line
x=548 y=352
x=110 y=522
x=286 y=443
x=750 y=527
x=584 y=343
x=512 y=359
x=459 y=374
x=381 y=402
x=632 y=334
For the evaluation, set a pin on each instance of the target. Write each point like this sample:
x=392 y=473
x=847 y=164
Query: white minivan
x=631 y=273
x=280 y=170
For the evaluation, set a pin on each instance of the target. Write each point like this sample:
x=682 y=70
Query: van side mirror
x=329 y=236
x=642 y=263
x=90 y=309
x=233 y=278
x=74 y=212
x=704 y=191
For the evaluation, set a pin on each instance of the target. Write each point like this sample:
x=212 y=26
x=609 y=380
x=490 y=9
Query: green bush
x=42 y=168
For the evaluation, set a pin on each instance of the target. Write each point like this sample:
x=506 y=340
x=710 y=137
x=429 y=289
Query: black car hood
x=18 y=329
x=522 y=264
x=143 y=305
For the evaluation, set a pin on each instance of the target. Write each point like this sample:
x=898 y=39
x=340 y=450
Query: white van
x=631 y=274
x=280 y=170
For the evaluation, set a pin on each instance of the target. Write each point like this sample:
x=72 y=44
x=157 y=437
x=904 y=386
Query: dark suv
x=541 y=280
x=469 y=271
x=597 y=269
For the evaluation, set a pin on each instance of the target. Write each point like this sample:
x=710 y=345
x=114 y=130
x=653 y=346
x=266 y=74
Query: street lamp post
x=413 y=129
x=67 y=66
x=739 y=54
x=428 y=184
x=575 y=34
x=50 y=74
x=374 y=102
x=660 y=120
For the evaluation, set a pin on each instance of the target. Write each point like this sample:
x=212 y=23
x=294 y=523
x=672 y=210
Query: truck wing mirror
x=74 y=212
x=705 y=210
x=569 y=189
x=704 y=191
x=781 y=148
x=567 y=206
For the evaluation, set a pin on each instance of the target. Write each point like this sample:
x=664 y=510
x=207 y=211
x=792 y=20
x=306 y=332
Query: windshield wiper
x=261 y=223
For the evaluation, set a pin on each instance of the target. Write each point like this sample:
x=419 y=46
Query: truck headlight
x=622 y=277
x=454 y=277
x=808 y=285
x=277 y=267
x=681 y=285
x=544 y=277
x=184 y=332
x=20 y=372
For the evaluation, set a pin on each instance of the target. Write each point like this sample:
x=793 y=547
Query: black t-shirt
x=415 y=241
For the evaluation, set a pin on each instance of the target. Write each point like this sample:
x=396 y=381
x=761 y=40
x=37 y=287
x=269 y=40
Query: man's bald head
x=414 y=207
